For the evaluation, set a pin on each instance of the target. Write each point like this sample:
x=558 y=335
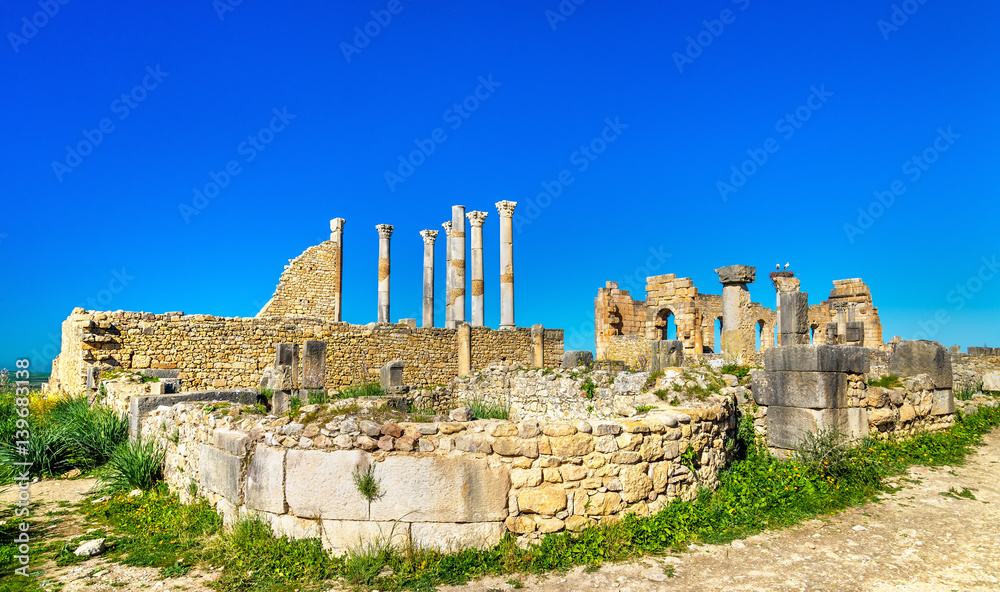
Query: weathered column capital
x=337 y=224
x=506 y=208
x=476 y=218
x=384 y=230
x=447 y=228
x=737 y=274
x=429 y=236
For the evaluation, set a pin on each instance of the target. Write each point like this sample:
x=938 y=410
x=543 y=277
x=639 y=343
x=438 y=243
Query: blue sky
x=687 y=136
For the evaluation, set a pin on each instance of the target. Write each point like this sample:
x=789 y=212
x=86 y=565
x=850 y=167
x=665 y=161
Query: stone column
x=537 y=346
x=337 y=237
x=476 y=220
x=384 y=234
x=737 y=327
x=457 y=269
x=447 y=276
x=506 y=210
x=784 y=282
x=464 y=339
x=429 y=237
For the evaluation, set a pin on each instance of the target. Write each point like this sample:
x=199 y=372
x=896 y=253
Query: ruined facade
x=205 y=351
x=675 y=309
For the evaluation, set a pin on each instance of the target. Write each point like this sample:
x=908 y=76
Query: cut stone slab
x=794 y=317
x=812 y=390
x=942 y=402
x=991 y=381
x=341 y=535
x=265 y=487
x=818 y=358
x=231 y=441
x=440 y=489
x=391 y=374
x=320 y=484
x=220 y=472
x=786 y=426
x=446 y=537
x=911 y=358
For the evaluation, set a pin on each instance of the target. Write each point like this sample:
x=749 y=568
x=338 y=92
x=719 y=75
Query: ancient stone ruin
x=479 y=432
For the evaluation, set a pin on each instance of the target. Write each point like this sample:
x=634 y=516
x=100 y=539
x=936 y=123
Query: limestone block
x=294 y=527
x=911 y=358
x=576 y=445
x=857 y=422
x=991 y=381
x=520 y=524
x=341 y=535
x=441 y=489
x=818 y=358
x=314 y=365
x=813 y=390
x=525 y=477
x=231 y=441
x=636 y=484
x=544 y=500
x=547 y=525
x=942 y=402
x=265 y=486
x=219 y=472
x=604 y=504
x=447 y=537
x=786 y=426
x=320 y=484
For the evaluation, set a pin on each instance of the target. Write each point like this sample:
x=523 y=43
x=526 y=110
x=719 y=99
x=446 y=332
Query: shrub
x=653 y=377
x=888 y=381
x=135 y=464
x=368 y=486
x=589 y=386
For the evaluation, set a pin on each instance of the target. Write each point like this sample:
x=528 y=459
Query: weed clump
x=888 y=381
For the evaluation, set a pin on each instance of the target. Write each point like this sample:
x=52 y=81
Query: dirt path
x=915 y=540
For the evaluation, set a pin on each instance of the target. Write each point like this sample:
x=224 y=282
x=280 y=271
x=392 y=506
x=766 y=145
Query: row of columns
x=455 y=268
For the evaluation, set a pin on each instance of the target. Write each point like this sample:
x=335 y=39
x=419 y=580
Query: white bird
x=777 y=266
x=786 y=265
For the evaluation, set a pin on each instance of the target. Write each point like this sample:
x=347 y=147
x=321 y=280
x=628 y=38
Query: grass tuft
x=135 y=464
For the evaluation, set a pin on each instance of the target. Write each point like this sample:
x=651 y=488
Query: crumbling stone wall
x=449 y=484
x=307 y=285
x=217 y=352
x=617 y=315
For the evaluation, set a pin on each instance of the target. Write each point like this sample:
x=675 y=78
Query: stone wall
x=307 y=285
x=217 y=352
x=447 y=484
x=555 y=395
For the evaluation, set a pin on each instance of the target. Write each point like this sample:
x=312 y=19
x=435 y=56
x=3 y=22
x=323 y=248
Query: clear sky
x=174 y=156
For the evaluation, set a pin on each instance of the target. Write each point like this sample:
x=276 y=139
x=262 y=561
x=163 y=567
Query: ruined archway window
x=667 y=324
x=718 y=335
x=758 y=336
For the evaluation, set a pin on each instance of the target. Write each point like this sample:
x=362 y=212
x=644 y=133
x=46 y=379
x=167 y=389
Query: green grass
x=643 y=408
x=64 y=435
x=135 y=464
x=737 y=370
x=365 y=389
x=758 y=491
x=482 y=409
x=967 y=390
x=888 y=381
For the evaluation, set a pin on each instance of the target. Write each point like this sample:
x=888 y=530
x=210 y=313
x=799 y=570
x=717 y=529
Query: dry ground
x=913 y=540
